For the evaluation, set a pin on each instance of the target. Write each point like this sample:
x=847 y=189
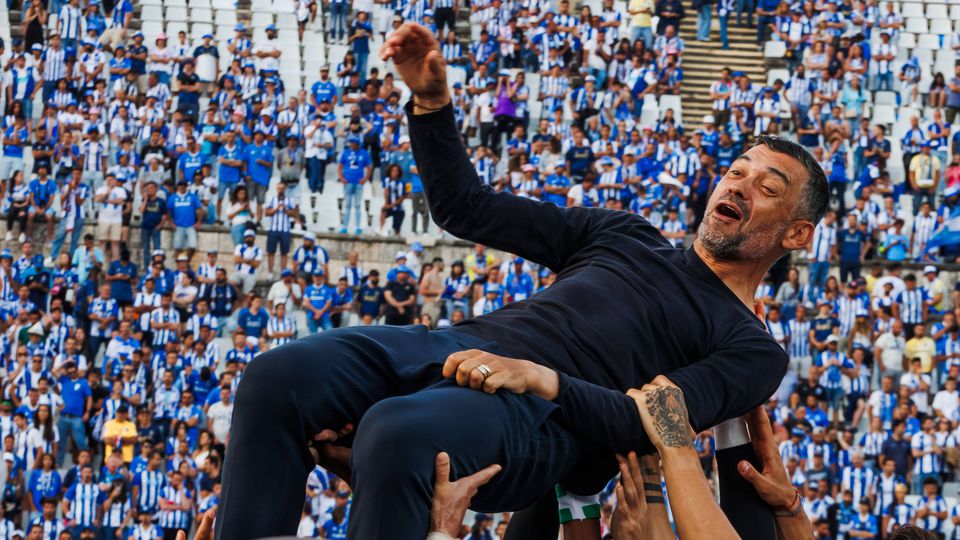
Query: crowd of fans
x=122 y=347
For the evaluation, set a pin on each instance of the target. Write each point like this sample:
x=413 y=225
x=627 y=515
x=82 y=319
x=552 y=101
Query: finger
x=466 y=369
x=203 y=529
x=750 y=474
x=181 y=535
x=621 y=500
x=454 y=360
x=442 y=465
x=327 y=435
x=662 y=380
x=499 y=379
x=481 y=477
x=627 y=480
x=347 y=429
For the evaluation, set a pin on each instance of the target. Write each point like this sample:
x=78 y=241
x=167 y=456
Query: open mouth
x=728 y=210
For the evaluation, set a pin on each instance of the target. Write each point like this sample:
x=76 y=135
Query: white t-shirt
x=486 y=102
x=946 y=402
x=111 y=213
x=576 y=194
x=219 y=416
x=279 y=294
x=892 y=355
x=920 y=397
x=269 y=63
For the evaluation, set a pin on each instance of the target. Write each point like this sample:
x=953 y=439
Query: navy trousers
x=386 y=381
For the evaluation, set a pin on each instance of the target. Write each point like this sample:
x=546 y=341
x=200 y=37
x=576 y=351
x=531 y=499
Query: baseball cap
x=832 y=339
x=239 y=28
x=529 y=167
x=271 y=28
x=928 y=269
x=400 y=255
x=309 y=235
x=248 y=233
x=416 y=246
x=285 y=273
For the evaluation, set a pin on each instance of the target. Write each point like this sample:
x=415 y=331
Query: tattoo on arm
x=670 y=418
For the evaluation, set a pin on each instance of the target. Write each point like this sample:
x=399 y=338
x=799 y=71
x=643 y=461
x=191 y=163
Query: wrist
x=423 y=104
x=543 y=382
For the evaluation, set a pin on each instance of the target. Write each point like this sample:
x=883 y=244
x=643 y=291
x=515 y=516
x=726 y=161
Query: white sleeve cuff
x=437 y=535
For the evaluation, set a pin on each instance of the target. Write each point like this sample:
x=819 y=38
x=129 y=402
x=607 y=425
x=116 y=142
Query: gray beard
x=739 y=246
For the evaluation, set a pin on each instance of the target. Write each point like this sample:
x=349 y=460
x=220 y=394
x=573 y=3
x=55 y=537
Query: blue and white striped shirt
x=85 y=499
x=174 y=519
x=276 y=324
x=934 y=504
x=280 y=221
x=912 y=306
x=927 y=463
x=151 y=484
x=799 y=332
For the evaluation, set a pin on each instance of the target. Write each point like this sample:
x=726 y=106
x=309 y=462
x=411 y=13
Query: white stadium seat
x=201 y=15
x=917 y=25
x=178 y=14
x=151 y=13
x=908 y=40
x=928 y=41
x=942 y=27
x=911 y=9
x=774 y=49
x=226 y=18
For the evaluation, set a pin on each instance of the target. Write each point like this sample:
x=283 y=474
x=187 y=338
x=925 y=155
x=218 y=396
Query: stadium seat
x=174 y=28
x=908 y=40
x=286 y=20
x=917 y=25
x=884 y=114
x=177 y=14
x=936 y=11
x=774 y=49
x=911 y=10
x=943 y=27
x=923 y=54
x=885 y=98
x=774 y=74
x=928 y=41
x=197 y=30
x=226 y=18
x=150 y=30
x=230 y=5
x=151 y=13
x=672 y=102
x=175 y=3
x=201 y=15
x=261 y=19
x=261 y=5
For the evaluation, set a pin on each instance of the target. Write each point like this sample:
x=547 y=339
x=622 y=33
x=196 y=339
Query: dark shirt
x=400 y=291
x=899 y=452
x=626 y=306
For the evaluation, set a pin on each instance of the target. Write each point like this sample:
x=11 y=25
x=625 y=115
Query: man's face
x=744 y=218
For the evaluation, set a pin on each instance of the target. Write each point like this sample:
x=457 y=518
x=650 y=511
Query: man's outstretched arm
x=724 y=385
x=540 y=232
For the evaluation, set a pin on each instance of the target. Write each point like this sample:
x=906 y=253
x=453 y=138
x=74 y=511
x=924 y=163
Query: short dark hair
x=815 y=194
x=912 y=532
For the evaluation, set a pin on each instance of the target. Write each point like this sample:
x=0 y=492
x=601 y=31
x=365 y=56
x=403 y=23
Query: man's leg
x=393 y=495
x=290 y=393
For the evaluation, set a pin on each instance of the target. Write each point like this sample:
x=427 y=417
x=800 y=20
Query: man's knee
x=394 y=445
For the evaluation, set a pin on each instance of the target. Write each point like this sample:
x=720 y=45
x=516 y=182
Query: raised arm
x=543 y=233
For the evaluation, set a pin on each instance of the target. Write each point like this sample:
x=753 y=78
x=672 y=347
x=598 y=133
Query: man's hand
x=204 y=528
x=416 y=53
x=517 y=376
x=451 y=499
x=664 y=414
x=772 y=484
x=331 y=457
x=629 y=518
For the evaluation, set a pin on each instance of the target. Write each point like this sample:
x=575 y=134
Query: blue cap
x=404 y=268
x=286 y=273
x=457 y=85
x=6 y=254
x=207 y=35
x=138 y=34
x=416 y=246
x=270 y=28
x=318 y=271
x=93 y=129
x=428 y=13
x=248 y=233
x=379 y=101
x=239 y=28
x=951 y=191
x=796 y=432
x=518 y=260
x=353 y=139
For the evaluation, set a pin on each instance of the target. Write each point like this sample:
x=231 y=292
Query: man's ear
x=798 y=235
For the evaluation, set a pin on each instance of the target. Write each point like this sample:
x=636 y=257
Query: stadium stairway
x=702 y=61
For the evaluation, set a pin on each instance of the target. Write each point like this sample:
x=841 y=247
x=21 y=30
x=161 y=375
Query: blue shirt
x=323 y=90
x=318 y=296
x=43 y=192
x=188 y=164
x=229 y=174
x=15 y=150
x=122 y=290
x=74 y=394
x=258 y=172
x=183 y=209
x=253 y=323
x=354 y=164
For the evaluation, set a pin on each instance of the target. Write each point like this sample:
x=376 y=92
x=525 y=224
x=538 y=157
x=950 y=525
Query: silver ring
x=484 y=370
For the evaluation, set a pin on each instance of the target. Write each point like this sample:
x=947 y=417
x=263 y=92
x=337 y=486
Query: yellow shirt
x=641 y=20
x=923 y=348
x=115 y=428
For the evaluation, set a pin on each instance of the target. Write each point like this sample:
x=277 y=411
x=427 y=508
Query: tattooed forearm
x=670 y=418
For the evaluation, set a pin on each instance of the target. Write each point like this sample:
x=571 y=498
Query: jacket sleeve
x=726 y=384
x=541 y=232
